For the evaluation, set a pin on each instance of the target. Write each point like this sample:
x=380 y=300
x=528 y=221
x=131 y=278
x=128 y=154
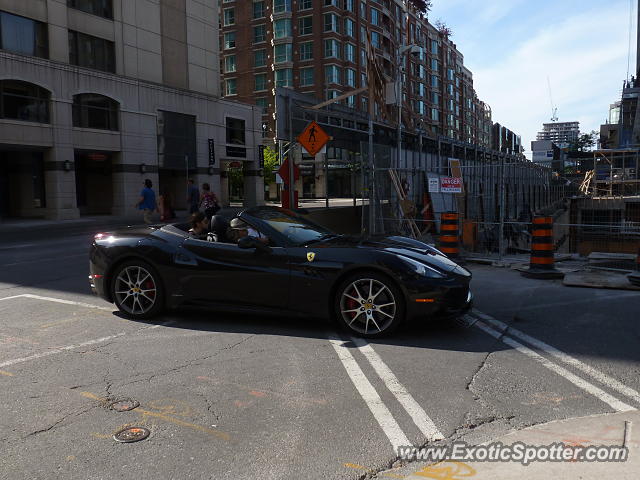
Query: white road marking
x=60 y=350
x=616 y=404
x=67 y=302
x=574 y=362
x=54 y=351
x=368 y=393
x=11 y=298
x=415 y=411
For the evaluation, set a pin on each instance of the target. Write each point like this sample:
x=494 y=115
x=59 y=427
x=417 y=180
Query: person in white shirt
x=242 y=229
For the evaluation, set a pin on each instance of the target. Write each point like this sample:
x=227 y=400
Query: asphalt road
x=235 y=397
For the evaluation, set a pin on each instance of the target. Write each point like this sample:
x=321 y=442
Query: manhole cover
x=124 y=405
x=131 y=434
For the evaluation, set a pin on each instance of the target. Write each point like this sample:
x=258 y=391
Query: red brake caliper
x=148 y=285
x=352 y=304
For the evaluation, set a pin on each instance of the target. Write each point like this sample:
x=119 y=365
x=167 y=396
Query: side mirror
x=252 y=242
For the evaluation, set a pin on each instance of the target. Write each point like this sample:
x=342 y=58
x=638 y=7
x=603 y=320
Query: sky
x=512 y=46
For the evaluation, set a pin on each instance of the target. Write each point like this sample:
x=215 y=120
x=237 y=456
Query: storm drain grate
x=131 y=434
x=124 y=405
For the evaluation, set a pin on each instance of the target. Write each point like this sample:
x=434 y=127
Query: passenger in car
x=242 y=229
x=199 y=226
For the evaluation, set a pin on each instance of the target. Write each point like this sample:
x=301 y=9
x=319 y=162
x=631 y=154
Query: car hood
x=405 y=247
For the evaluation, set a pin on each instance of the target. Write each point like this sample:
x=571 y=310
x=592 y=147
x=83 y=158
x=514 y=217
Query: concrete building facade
x=98 y=95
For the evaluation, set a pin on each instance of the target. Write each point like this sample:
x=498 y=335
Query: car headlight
x=422 y=269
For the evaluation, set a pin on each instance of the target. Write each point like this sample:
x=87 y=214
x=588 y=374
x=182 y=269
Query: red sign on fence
x=450 y=185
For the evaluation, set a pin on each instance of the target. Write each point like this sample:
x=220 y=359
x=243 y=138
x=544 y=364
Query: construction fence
x=496 y=207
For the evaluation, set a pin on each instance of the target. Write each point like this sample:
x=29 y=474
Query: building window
x=91 y=110
x=284 y=77
x=230 y=87
x=229 y=40
x=375 y=17
x=350 y=5
x=23 y=35
x=305 y=26
x=331 y=49
x=351 y=101
x=229 y=15
x=435 y=114
x=306 y=76
x=259 y=33
x=363 y=9
x=350 y=53
x=282 y=28
x=236 y=136
x=331 y=22
x=350 y=77
x=176 y=140
x=262 y=102
x=91 y=52
x=258 y=9
x=435 y=81
x=375 y=39
x=306 y=51
x=434 y=47
x=305 y=4
x=349 y=27
x=435 y=66
x=283 y=53
x=24 y=101
x=280 y=6
x=260 y=82
x=101 y=8
x=230 y=64
x=332 y=74
x=260 y=58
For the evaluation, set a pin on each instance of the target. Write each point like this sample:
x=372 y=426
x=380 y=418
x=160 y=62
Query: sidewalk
x=608 y=429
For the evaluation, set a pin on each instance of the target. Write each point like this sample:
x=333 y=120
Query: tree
x=422 y=6
x=584 y=142
x=443 y=28
x=270 y=165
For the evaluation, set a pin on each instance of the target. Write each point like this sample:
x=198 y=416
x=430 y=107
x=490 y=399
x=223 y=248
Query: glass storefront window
x=176 y=140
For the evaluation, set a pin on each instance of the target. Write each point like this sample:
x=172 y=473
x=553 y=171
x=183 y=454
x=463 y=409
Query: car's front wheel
x=136 y=290
x=369 y=305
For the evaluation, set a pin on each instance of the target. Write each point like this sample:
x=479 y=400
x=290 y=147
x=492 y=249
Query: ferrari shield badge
x=311 y=256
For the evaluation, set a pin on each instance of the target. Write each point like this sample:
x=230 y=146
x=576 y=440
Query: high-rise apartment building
x=320 y=47
x=97 y=95
x=560 y=133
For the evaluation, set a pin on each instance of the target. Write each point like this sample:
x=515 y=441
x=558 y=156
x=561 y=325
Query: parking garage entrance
x=22 y=186
x=94 y=182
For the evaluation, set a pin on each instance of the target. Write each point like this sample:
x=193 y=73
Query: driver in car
x=242 y=229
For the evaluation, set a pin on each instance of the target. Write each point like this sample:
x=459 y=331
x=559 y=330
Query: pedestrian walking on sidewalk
x=208 y=201
x=147 y=201
x=193 y=197
x=167 y=212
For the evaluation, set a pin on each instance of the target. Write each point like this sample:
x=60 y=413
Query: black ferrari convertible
x=369 y=284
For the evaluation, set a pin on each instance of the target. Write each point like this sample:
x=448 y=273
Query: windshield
x=296 y=228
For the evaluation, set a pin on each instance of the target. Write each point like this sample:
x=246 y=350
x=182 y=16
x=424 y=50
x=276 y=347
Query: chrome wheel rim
x=135 y=290
x=368 y=306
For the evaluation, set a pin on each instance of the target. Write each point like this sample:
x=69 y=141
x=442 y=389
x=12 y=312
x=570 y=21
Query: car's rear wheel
x=136 y=290
x=369 y=305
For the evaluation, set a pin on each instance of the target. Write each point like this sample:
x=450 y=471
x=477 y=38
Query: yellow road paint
x=370 y=470
x=447 y=470
x=165 y=417
x=6 y=374
x=182 y=423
